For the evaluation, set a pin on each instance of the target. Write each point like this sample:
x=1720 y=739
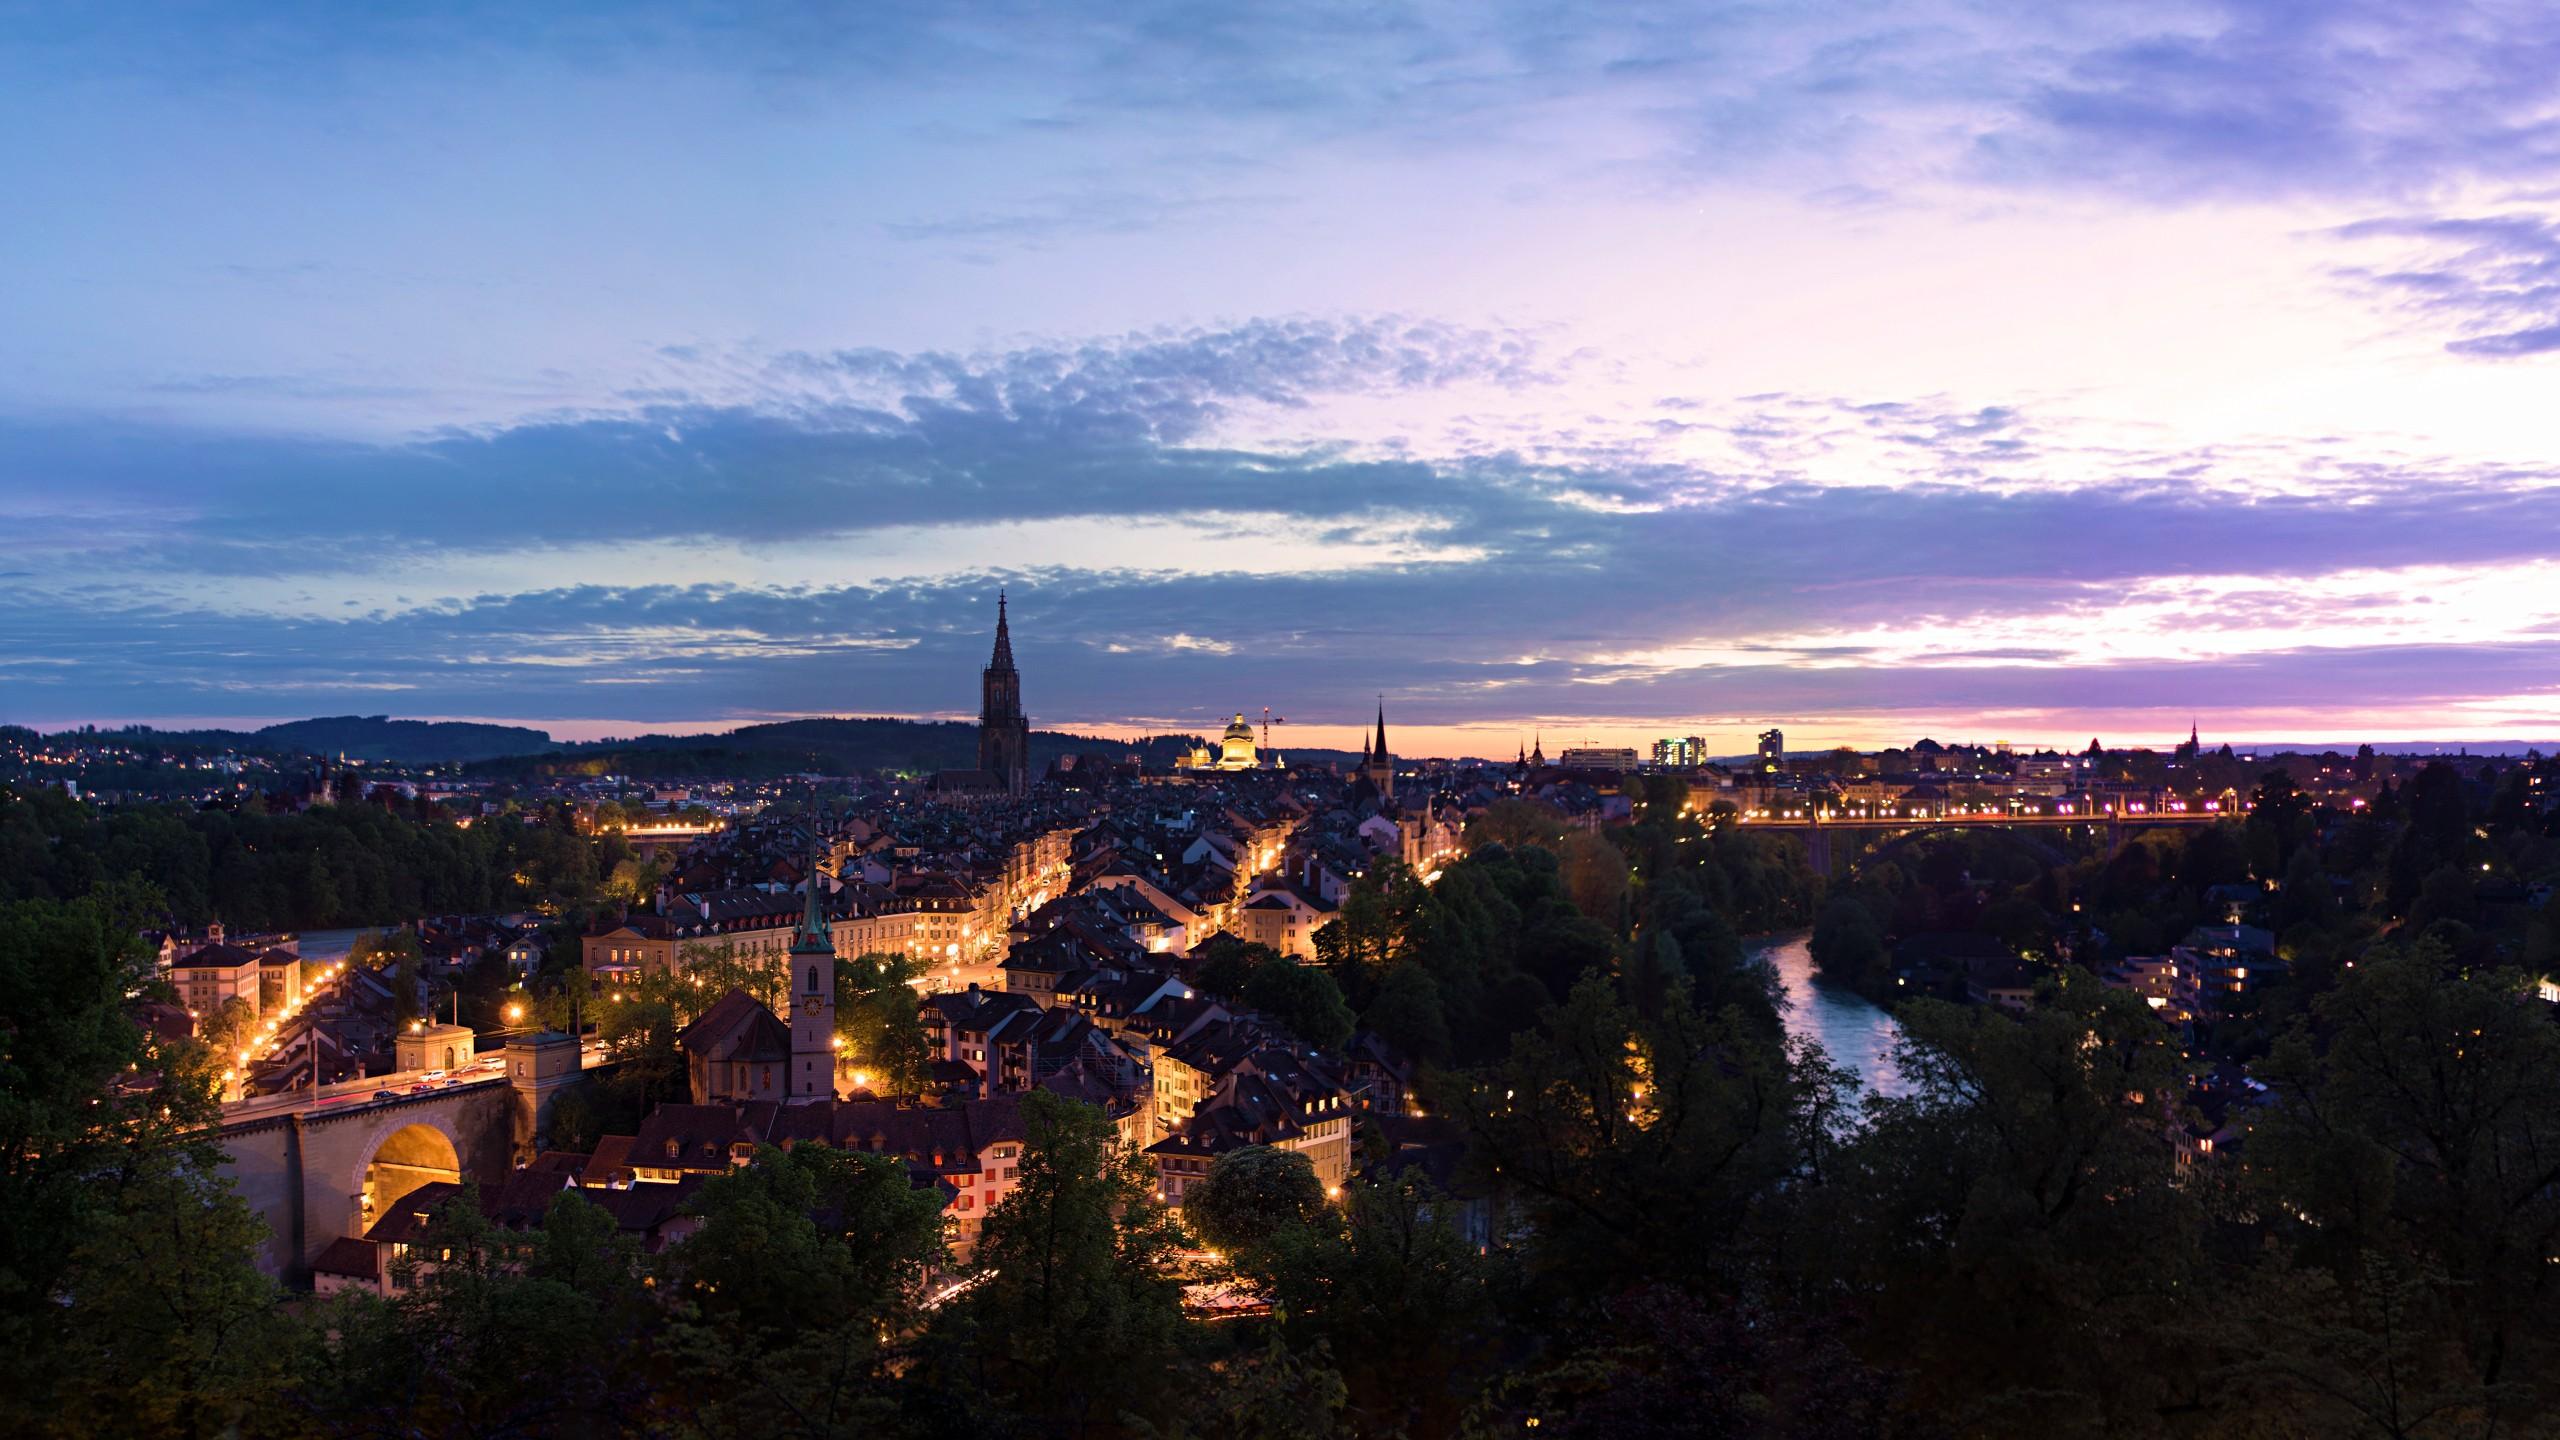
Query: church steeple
x=813 y=937
x=1004 y=736
x=1003 y=659
x=1376 y=766
x=810 y=978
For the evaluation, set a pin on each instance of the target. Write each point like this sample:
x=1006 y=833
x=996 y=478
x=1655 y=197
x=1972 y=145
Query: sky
x=1996 y=371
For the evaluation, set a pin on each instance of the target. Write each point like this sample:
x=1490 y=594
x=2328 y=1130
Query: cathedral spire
x=1004 y=638
x=1382 y=729
x=1004 y=737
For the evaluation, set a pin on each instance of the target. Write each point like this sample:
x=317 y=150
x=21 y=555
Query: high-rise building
x=1773 y=750
x=1686 y=753
x=1004 y=737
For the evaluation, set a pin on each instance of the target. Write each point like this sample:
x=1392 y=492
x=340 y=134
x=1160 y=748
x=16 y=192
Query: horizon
x=1350 y=739
x=2010 y=374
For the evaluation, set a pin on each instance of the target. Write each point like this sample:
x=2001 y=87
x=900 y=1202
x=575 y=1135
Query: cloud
x=2493 y=280
x=1837 y=600
x=822 y=532
x=2295 y=97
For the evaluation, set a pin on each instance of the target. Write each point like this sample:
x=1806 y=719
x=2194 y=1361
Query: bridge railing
x=2168 y=812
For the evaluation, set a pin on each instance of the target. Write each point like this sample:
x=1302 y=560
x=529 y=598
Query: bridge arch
x=415 y=1154
x=1892 y=845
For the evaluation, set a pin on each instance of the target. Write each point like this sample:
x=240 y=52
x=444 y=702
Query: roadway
x=365 y=1090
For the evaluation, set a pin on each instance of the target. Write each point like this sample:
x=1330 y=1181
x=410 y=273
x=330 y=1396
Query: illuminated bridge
x=1871 y=822
x=664 y=835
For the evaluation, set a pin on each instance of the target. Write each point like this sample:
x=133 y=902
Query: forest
x=346 y=864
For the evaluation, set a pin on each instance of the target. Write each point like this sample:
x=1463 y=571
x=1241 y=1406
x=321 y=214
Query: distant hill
x=833 y=746
x=829 y=745
x=372 y=738
x=415 y=742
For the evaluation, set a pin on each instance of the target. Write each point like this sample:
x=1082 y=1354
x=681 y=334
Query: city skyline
x=1947 y=371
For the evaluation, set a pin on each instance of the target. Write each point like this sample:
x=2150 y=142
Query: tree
x=1270 y=1394
x=1076 y=1316
x=167 y=1326
x=1361 y=941
x=1595 y=875
x=880 y=1023
x=810 y=1262
x=1303 y=999
x=128 y=1299
x=1250 y=1195
x=2417 y=1141
x=1606 y=1108
x=2012 y=1228
x=1223 y=963
x=228 y=1030
x=1515 y=823
x=1384 y=1286
x=2279 y=820
x=1849 y=945
x=1408 y=1016
x=1663 y=1364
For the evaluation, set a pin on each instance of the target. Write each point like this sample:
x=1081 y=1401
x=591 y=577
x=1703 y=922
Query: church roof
x=737 y=1027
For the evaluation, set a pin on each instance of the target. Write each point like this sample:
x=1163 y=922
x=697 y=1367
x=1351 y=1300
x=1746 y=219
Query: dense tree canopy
x=328 y=866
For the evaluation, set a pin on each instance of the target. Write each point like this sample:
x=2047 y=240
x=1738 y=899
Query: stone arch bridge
x=327 y=1171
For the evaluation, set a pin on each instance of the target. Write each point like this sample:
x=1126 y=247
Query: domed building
x=1236 y=750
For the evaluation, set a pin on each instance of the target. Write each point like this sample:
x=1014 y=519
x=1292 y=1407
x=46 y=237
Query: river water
x=1853 y=1030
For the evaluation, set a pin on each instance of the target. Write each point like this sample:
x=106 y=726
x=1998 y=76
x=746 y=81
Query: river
x=1853 y=1030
